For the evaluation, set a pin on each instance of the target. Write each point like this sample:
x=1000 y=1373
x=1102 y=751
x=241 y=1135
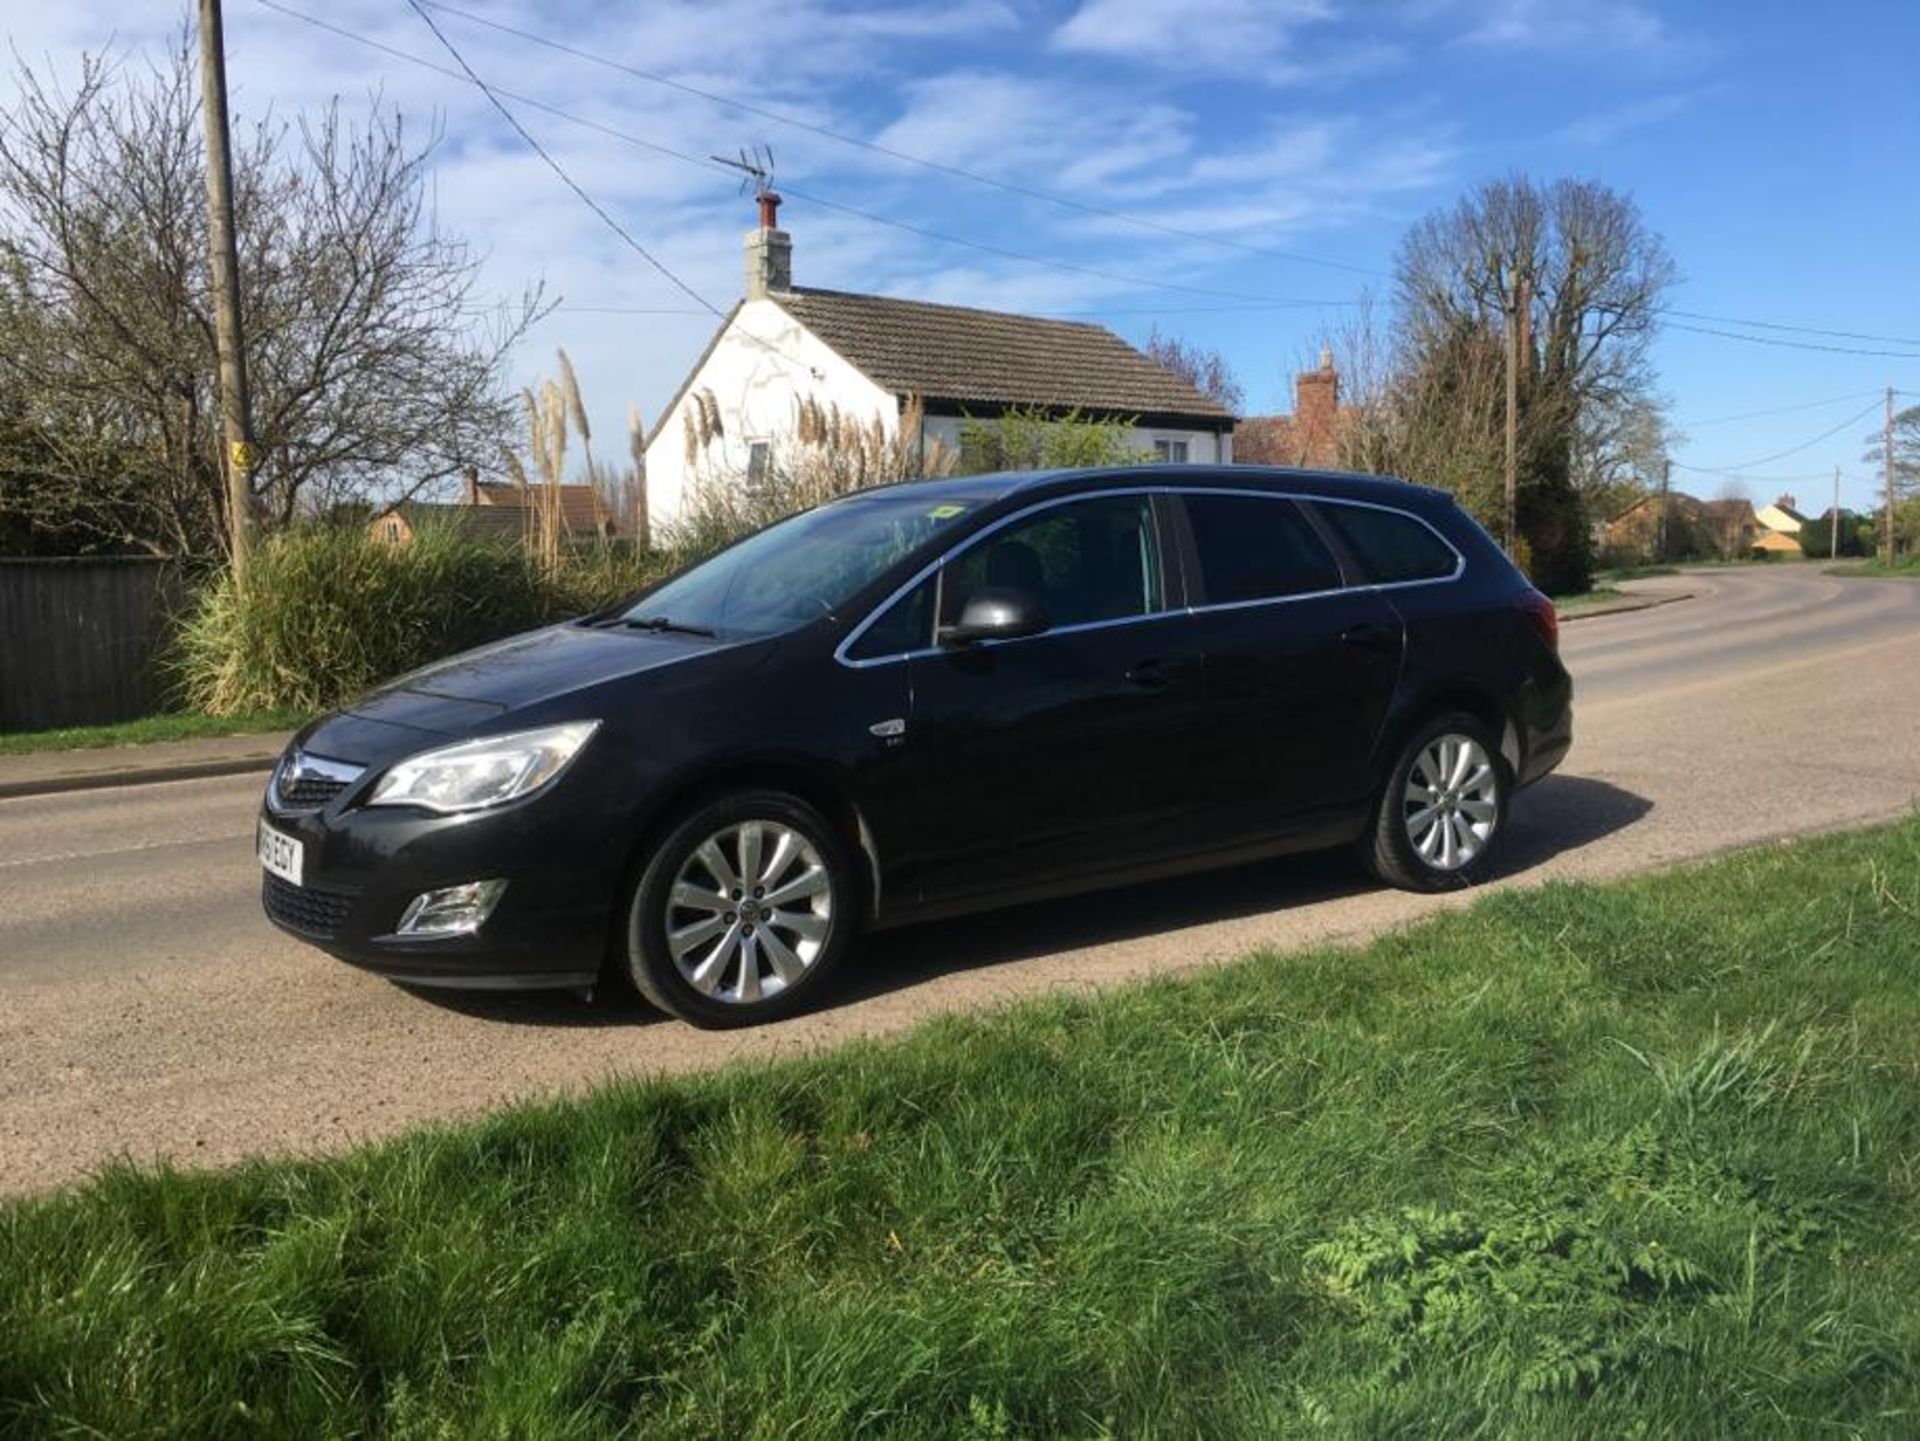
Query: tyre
x=742 y=911
x=1443 y=808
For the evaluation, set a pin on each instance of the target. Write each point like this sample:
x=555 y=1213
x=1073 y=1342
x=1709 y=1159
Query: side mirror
x=996 y=612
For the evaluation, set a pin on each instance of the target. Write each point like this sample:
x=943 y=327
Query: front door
x=1061 y=755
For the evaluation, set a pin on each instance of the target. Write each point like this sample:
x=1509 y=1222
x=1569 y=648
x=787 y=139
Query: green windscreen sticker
x=945 y=512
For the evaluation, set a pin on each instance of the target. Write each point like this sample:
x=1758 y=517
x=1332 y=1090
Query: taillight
x=1546 y=620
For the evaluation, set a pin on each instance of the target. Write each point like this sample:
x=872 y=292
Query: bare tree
x=374 y=368
x=1591 y=275
x=1207 y=371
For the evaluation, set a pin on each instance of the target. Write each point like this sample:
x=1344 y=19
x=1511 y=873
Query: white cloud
x=1603 y=127
x=1242 y=36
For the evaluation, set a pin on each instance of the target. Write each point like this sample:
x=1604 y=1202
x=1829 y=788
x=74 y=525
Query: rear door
x=1300 y=670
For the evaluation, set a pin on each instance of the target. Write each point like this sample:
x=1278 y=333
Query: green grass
x=174 y=726
x=1632 y=572
x=1599 y=595
x=1907 y=567
x=1628 y=1161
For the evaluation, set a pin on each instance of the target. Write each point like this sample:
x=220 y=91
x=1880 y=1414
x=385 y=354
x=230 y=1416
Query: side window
x=906 y=625
x=1389 y=546
x=1086 y=560
x=1255 y=548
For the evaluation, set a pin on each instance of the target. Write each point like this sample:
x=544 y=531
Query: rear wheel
x=742 y=911
x=1443 y=809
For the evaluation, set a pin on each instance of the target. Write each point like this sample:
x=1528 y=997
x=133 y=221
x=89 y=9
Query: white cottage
x=869 y=355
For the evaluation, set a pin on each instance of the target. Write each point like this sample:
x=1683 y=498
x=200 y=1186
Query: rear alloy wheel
x=740 y=911
x=1442 y=809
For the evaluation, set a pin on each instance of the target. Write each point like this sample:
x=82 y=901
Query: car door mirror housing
x=997 y=612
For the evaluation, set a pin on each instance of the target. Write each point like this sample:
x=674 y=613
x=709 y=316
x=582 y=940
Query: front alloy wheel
x=740 y=910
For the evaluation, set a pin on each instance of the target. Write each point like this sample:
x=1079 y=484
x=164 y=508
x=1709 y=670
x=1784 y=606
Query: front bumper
x=563 y=862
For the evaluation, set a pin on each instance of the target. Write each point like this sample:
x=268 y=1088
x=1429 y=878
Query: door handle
x=1370 y=635
x=1157 y=674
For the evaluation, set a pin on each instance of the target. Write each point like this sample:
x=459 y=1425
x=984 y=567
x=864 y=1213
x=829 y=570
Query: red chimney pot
x=769 y=208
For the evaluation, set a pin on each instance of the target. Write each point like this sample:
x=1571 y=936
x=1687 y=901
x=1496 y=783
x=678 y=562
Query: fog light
x=455 y=911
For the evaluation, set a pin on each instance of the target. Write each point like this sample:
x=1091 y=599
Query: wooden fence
x=80 y=639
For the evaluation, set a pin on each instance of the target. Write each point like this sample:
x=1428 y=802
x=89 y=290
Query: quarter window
x=1390 y=547
x=1087 y=560
x=906 y=625
x=1255 y=548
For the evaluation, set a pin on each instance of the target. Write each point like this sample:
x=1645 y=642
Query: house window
x=759 y=462
x=1172 y=451
x=393 y=527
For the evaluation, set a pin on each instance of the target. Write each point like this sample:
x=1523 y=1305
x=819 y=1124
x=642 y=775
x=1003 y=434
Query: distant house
x=1781 y=517
x=1310 y=436
x=1693 y=527
x=504 y=513
x=873 y=359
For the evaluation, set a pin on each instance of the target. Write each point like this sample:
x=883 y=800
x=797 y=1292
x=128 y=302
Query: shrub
x=329 y=613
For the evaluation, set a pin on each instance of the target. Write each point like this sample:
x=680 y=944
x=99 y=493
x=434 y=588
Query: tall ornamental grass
x=329 y=613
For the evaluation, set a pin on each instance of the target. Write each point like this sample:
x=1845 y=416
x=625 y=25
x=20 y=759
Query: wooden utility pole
x=235 y=409
x=1666 y=503
x=1887 y=444
x=1517 y=311
x=1833 y=540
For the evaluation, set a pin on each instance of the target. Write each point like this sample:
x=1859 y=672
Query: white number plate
x=281 y=854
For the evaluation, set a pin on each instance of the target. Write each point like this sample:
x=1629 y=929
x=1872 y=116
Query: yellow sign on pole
x=240 y=456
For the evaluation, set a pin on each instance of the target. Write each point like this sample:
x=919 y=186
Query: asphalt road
x=147 y=1010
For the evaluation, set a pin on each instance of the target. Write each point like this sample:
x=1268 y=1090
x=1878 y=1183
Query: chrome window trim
x=853 y=636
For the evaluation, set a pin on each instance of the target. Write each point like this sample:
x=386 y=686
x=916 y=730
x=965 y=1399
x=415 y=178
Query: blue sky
x=1770 y=143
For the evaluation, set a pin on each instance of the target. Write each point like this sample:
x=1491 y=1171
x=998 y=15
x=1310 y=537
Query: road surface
x=147 y=1010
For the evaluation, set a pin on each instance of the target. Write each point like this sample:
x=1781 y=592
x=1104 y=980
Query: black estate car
x=924 y=699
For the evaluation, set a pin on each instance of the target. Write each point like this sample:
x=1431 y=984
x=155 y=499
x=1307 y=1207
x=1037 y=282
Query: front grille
x=305 y=782
x=303 y=909
x=309 y=793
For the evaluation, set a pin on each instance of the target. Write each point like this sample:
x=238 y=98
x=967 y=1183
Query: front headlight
x=489 y=772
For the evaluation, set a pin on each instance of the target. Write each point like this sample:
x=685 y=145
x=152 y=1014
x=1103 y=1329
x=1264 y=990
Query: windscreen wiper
x=665 y=623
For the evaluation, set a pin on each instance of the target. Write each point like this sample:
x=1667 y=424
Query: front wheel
x=1443 y=808
x=742 y=911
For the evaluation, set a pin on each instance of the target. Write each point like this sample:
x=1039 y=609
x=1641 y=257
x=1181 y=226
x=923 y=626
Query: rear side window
x=1255 y=548
x=1390 y=547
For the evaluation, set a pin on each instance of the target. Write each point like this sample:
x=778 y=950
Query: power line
x=1004 y=252
x=1796 y=329
x=558 y=169
x=874 y=147
x=1794 y=344
x=1776 y=410
x=1854 y=419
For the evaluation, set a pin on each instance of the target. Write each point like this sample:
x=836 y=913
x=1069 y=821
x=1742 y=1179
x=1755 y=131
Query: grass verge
x=1599 y=595
x=1633 y=1160
x=1905 y=568
x=1632 y=572
x=173 y=726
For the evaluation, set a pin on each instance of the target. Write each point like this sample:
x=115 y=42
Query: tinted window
x=1389 y=546
x=1087 y=560
x=905 y=625
x=803 y=567
x=1253 y=548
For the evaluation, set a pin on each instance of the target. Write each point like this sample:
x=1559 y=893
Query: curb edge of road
x=137 y=776
x=1622 y=607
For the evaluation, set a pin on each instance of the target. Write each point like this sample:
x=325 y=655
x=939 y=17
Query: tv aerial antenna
x=755 y=164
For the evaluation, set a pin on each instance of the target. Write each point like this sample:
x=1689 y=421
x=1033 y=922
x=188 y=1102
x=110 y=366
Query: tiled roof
x=988 y=357
x=582 y=507
x=483 y=522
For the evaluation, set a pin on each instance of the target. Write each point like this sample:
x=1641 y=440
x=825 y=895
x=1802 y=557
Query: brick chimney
x=1316 y=401
x=769 y=252
x=1785 y=502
